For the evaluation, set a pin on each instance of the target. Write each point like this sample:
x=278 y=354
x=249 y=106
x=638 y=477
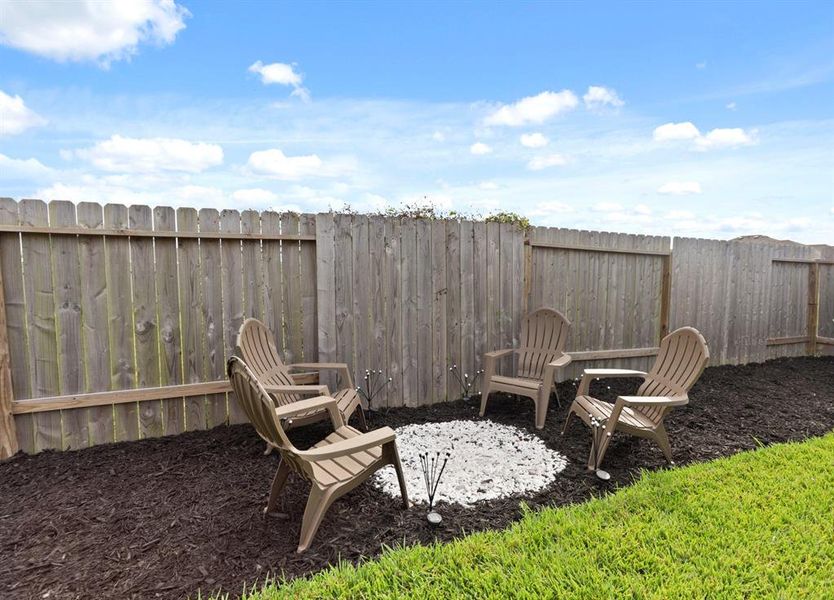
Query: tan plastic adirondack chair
x=258 y=351
x=543 y=337
x=334 y=466
x=682 y=358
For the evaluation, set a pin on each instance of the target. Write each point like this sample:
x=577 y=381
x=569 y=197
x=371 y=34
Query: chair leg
x=395 y=459
x=662 y=439
x=542 y=402
x=277 y=485
x=484 y=398
x=363 y=423
x=317 y=504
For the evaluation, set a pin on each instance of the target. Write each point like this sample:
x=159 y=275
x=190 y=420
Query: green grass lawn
x=756 y=525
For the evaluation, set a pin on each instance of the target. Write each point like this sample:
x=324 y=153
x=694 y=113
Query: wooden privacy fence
x=115 y=322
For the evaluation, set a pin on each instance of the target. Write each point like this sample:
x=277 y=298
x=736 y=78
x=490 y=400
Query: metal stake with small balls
x=432 y=472
x=466 y=383
x=375 y=383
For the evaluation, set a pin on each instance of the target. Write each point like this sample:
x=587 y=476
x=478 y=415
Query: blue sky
x=691 y=119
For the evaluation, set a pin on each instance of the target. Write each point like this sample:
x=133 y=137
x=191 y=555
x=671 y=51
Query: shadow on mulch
x=164 y=518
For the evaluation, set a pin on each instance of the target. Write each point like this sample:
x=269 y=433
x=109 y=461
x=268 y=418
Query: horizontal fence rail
x=116 y=321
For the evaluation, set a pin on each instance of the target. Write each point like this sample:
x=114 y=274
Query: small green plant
x=429 y=212
x=509 y=217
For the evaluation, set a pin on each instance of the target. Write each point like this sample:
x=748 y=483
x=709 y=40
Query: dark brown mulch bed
x=163 y=518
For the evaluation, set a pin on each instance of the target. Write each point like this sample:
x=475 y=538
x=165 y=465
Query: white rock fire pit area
x=488 y=461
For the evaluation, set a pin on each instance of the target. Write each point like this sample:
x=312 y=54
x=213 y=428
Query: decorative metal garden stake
x=466 y=383
x=432 y=472
x=375 y=382
x=598 y=432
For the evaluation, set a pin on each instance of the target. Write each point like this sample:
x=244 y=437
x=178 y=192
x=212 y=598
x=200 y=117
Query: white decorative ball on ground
x=488 y=460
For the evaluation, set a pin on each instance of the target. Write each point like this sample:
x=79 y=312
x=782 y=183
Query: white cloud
x=151 y=155
x=543 y=162
x=132 y=190
x=716 y=138
x=675 y=132
x=680 y=215
x=701 y=65
x=15 y=116
x=607 y=207
x=438 y=136
x=254 y=196
x=15 y=167
x=491 y=185
x=680 y=188
x=275 y=164
x=726 y=138
x=545 y=209
x=480 y=148
x=200 y=195
x=282 y=74
x=79 y=31
x=533 y=109
x=598 y=97
x=534 y=140
x=731 y=106
x=642 y=209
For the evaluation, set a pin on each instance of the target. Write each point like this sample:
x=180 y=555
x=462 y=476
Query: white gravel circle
x=488 y=461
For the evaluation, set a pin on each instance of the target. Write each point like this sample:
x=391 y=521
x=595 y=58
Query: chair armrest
x=309 y=390
x=364 y=441
x=302 y=406
x=562 y=361
x=589 y=374
x=317 y=366
x=499 y=353
x=341 y=367
x=603 y=373
x=653 y=400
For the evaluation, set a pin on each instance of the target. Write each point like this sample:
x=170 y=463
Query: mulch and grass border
x=178 y=516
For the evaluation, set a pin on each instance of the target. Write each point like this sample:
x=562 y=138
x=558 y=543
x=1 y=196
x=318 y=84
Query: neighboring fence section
x=609 y=285
x=116 y=321
x=413 y=297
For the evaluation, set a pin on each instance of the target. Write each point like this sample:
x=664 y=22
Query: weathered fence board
x=193 y=325
x=211 y=275
x=307 y=265
x=120 y=320
x=16 y=332
x=67 y=301
x=43 y=347
x=168 y=310
x=103 y=299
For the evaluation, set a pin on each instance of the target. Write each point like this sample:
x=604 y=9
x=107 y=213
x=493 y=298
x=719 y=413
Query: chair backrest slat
x=682 y=358
x=257 y=349
x=544 y=334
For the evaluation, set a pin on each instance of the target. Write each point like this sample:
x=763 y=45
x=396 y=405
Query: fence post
x=528 y=271
x=813 y=307
x=8 y=435
x=665 y=293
